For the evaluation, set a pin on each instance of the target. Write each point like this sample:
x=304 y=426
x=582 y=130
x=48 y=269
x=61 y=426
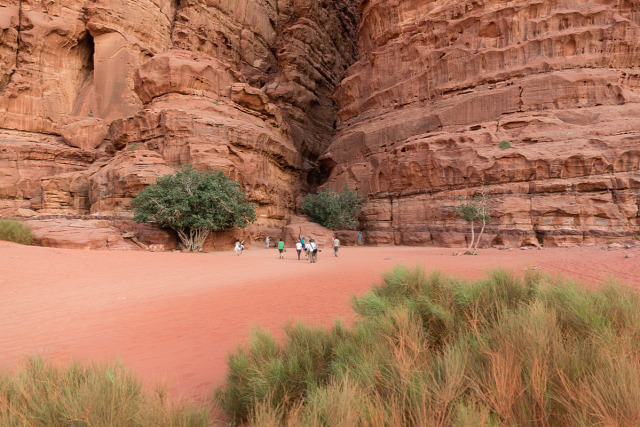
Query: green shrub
x=15 y=231
x=504 y=144
x=433 y=350
x=193 y=204
x=334 y=210
x=41 y=394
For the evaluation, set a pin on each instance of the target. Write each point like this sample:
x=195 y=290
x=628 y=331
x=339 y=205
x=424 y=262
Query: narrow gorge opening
x=85 y=52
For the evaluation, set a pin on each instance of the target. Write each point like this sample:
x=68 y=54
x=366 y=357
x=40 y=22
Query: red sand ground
x=175 y=316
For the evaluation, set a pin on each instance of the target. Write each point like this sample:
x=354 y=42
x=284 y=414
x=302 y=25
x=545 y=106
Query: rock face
x=407 y=101
x=139 y=88
x=440 y=84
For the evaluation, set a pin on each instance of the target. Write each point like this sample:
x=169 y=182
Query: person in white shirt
x=237 y=249
x=336 y=246
x=298 y=248
x=307 y=249
x=314 y=251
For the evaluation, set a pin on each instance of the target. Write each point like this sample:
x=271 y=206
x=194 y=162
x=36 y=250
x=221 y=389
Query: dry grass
x=15 y=231
x=41 y=394
x=433 y=350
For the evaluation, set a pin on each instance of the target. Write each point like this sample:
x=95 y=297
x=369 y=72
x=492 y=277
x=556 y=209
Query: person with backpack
x=336 y=246
x=307 y=249
x=314 y=251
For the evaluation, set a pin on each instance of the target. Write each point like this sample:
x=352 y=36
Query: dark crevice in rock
x=15 y=68
x=19 y=30
x=85 y=50
x=176 y=4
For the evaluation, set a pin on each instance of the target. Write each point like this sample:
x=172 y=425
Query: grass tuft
x=432 y=350
x=15 y=231
x=42 y=394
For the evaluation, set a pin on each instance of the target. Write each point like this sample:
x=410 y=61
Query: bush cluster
x=41 y=394
x=333 y=210
x=15 y=231
x=432 y=350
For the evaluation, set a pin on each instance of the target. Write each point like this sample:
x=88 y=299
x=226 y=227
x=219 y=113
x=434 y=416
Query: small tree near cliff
x=194 y=204
x=475 y=210
x=334 y=210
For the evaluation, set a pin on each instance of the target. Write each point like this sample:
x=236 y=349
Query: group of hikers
x=309 y=246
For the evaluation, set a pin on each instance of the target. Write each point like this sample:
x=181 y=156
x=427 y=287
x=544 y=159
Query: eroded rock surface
x=139 y=88
x=406 y=101
x=440 y=84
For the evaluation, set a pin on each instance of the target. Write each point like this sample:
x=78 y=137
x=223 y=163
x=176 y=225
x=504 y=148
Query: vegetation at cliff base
x=333 y=210
x=194 y=204
x=15 y=231
x=42 y=394
x=475 y=209
x=433 y=350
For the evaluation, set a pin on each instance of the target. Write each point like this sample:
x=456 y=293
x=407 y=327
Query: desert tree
x=193 y=204
x=334 y=210
x=475 y=210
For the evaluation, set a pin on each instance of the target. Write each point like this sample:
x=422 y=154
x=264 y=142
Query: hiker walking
x=298 y=248
x=314 y=251
x=307 y=249
x=237 y=248
x=266 y=241
x=281 y=248
x=336 y=246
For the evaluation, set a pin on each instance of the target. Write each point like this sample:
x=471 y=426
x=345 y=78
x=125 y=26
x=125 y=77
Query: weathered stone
x=85 y=133
x=182 y=72
x=310 y=230
x=78 y=234
x=538 y=101
x=439 y=85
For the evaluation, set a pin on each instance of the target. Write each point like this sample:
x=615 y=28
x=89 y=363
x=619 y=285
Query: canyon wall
x=440 y=84
x=414 y=103
x=98 y=98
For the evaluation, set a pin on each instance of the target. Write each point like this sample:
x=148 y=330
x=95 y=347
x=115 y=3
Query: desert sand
x=174 y=317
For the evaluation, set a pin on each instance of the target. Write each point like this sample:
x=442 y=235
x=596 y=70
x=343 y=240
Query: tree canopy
x=334 y=210
x=194 y=204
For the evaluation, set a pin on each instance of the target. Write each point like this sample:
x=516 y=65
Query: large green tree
x=333 y=210
x=194 y=204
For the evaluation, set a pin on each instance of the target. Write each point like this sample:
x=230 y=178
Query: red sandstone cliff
x=99 y=97
x=439 y=84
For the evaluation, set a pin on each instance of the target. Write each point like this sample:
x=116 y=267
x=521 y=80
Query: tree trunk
x=472 y=238
x=475 y=249
x=194 y=239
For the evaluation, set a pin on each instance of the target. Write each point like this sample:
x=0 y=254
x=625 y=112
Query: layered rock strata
x=115 y=95
x=99 y=98
x=438 y=87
